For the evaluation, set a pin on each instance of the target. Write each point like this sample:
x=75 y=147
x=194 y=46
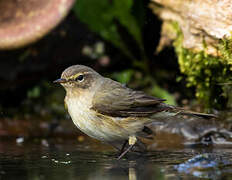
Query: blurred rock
x=25 y=21
x=188 y=131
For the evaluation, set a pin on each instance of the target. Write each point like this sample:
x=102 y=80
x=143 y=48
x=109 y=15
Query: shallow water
x=68 y=160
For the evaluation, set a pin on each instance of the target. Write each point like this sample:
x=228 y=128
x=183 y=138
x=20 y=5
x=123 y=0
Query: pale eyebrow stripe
x=84 y=73
x=88 y=72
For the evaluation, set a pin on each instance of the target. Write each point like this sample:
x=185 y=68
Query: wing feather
x=114 y=99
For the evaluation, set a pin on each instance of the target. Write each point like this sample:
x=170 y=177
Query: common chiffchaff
x=109 y=111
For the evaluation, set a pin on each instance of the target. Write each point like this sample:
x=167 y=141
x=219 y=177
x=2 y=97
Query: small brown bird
x=110 y=112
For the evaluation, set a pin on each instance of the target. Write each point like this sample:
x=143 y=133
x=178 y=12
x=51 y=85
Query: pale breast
x=87 y=120
x=78 y=109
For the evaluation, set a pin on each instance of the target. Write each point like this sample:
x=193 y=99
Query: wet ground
x=66 y=159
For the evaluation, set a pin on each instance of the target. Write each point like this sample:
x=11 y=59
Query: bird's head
x=78 y=78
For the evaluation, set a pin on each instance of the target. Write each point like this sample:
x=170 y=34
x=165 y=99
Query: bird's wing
x=114 y=99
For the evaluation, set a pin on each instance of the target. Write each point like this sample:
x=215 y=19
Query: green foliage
x=102 y=17
x=34 y=92
x=162 y=93
x=205 y=72
x=124 y=76
x=225 y=48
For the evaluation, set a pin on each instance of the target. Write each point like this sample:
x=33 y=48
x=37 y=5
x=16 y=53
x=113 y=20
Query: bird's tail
x=192 y=113
x=169 y=110
x=182 y=111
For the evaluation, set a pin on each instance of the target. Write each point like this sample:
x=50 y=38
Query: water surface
x=70 y=160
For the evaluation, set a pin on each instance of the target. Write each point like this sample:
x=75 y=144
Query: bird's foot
x=126 y=151
x=132 y=140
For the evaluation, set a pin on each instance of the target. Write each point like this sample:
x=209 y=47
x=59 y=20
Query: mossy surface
x=208 y=74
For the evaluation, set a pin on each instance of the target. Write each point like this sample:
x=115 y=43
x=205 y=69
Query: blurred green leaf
x=138 y=11
x=162 y=93
x=124 y=15
x=179 y=78
x=101 y=17
x=124 y=76
x=34 y=92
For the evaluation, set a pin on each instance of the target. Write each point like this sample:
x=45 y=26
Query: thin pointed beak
x=60 y=81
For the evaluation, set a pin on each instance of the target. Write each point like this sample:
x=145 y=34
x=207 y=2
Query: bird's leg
x=131 y=142
x=123 y=146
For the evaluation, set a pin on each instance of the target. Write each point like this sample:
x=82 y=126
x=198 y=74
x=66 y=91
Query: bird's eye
x=80 y=78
